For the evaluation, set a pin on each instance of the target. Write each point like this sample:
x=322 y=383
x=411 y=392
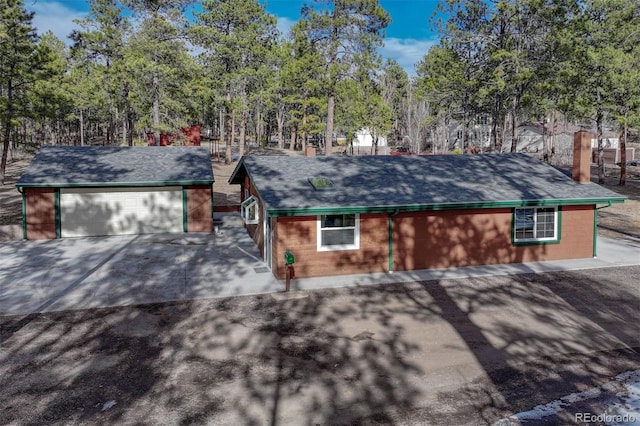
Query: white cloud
x=284 y=24
x=54 y=16
x=406 y=51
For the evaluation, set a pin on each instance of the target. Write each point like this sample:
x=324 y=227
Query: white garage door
x=119 y=211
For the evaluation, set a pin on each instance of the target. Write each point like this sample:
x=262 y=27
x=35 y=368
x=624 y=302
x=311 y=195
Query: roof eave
x=113 y=184
x=313 y=211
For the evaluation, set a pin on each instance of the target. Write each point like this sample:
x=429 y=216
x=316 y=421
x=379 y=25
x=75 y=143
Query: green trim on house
x=390 y=230
x=114 y=184
x=24 y=216
x=437 y=207
x=595 y=232
x=595 y=226
x=185 y=211
x=58 y=219
x=559 y=223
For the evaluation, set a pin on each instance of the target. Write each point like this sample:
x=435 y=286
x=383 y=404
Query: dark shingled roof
x=64 y=166
x=384 y=183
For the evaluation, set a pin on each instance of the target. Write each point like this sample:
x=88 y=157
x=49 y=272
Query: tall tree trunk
x=328 y=136
x=514 y=126
x=156 y=106
x=258 y=125
x=109 y=135
x=623 y=155
x=243 y=133
x=545 y=139
x=280 y=120
x=5 y=149
x=601 y=172
x=222 y=127
x=375 y=144
x=294 y=137
x=7 y=131
x=494 y=123
x=230 y=136
x=81 y=127
x=554 y=134
x=129 y=126
x=304 y=135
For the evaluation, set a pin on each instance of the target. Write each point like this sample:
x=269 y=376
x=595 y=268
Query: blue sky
x=408 y=37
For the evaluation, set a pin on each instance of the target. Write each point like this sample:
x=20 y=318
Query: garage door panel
x=120 y=211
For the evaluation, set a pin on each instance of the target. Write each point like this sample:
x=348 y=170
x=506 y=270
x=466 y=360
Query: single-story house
x=348 y=215
x=89 y=191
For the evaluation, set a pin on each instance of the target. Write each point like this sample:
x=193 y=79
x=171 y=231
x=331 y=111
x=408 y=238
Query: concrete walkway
x=82 y=273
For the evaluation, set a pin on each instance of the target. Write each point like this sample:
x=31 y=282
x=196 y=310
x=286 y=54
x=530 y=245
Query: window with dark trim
x=338 y=232
x=533 y=224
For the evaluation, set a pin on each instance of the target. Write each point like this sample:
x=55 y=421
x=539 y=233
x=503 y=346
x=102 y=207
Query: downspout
x=595 y=227
x=185 y=210
x=390 y=232
x=58 y=218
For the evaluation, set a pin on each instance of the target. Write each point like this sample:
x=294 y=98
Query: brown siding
x=482 y=237
x=199 y=218
x=40 y=213
x=299 y=234
x=426 y=240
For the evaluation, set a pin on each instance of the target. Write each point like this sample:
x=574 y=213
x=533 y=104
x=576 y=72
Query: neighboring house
x=364 y=138
x=348 y=215
x=363 y=143
x=478 y=132
x=90 y=191
x=530 y=139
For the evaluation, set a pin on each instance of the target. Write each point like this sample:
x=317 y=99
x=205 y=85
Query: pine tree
x=236 y=36
x=18 y=61
x=346 y=32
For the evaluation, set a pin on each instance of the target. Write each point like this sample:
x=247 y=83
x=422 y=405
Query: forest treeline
x=138 y=67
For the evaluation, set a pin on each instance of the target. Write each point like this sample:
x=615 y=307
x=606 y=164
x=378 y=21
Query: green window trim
x=536 y=241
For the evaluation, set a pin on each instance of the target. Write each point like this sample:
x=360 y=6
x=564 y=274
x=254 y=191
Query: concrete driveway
x=82 y=273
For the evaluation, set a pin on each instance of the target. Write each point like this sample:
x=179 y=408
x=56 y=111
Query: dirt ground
x=622 y=218
x=10 y=198
x=444 y=352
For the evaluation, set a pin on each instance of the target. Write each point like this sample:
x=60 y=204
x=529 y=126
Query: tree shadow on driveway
x=437 y=352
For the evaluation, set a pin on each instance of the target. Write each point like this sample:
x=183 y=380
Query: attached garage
x=93 y=191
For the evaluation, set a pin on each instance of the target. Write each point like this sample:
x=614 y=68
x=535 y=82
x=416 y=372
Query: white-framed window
x=249 y=210
x=338 y=232
x=532 y=224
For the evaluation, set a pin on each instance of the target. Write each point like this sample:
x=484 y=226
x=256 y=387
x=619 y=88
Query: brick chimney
x=581 y=171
